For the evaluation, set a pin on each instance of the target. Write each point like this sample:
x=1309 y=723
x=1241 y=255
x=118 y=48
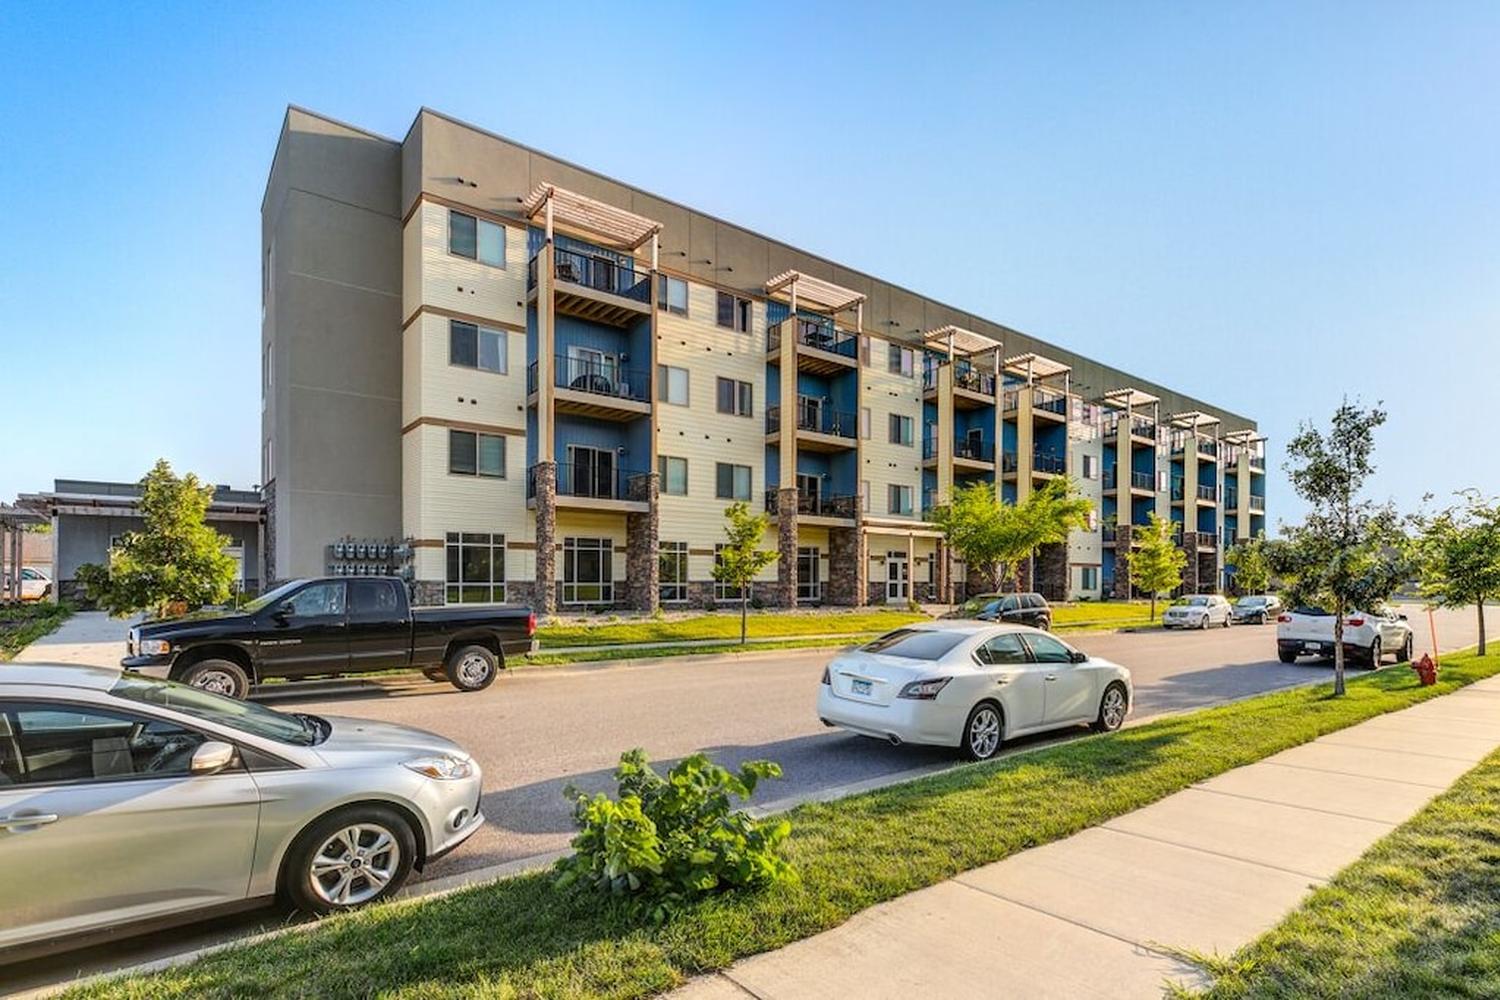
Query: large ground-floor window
x=809 y=580
x=723 y=591
x=476 y=568
x=674 y=568
x=588 y=571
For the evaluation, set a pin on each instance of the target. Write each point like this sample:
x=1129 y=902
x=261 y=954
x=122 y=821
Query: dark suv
x=1017 y=609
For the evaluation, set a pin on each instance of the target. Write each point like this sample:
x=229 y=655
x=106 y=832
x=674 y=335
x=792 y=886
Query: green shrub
x=668 y=841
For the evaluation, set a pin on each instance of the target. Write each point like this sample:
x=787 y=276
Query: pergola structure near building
x=13 y=522
x=1033 y=368
x=797 y=289
x=601 y=222
x=956 y=342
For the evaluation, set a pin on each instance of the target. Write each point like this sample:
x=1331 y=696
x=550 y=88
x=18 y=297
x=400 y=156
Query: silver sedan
x=126 y=799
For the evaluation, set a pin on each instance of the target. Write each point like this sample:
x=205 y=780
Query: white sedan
x=970 y=685
x=1199 y=611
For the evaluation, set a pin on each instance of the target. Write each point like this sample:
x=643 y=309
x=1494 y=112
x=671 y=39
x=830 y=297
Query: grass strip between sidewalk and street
x=22 y=625
x=724 y=625
x=524 y=938
x=1417 y=916
x=607 y=653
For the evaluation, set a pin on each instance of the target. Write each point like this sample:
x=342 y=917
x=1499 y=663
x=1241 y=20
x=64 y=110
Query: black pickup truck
x=328 y=627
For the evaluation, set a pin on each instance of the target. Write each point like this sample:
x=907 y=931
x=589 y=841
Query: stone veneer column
x=944 y=573
x=545 y=599
x=1122 y=589
x=846 y=557
x=786 y=545
x=642 y=540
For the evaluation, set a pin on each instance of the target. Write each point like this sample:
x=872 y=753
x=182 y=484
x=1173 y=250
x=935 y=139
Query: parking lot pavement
x=537 y=731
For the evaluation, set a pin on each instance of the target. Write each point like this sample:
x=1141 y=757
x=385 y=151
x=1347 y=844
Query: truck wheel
x=1286 y=657
x=472 y=668
x=218 y=676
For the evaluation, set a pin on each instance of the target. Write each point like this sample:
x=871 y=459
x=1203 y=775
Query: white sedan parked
x=1199 y=611
x=970 y=685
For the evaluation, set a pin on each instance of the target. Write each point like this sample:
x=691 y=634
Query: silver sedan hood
x=353 y=738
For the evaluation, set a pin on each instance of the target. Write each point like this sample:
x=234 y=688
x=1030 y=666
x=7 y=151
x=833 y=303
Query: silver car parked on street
x=126 y=799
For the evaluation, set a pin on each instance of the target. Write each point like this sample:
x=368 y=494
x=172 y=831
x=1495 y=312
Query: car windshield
x=915 y=644
x=1251 y=602
x=270 y=597
x=976 y=605
x=1196 y=602
x=247 y=717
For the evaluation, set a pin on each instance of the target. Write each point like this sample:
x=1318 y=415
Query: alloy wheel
x=473 y=669
x=1113 y=709
x=355 y=864
x=984 y=732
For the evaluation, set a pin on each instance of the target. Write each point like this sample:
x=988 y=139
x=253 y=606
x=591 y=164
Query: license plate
x=1310 y=647
x=859 y=687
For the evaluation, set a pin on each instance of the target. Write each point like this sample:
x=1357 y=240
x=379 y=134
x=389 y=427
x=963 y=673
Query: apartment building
x=514 y=378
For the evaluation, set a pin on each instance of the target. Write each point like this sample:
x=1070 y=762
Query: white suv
x=1368 y=635
x=1198 y=611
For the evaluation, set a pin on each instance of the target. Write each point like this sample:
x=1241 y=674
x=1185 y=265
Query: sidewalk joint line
x=1155 y=950
x=1409 y=753
x=724 y=975
x=1218 y=854
x=1293 y=805
x=1350 y=774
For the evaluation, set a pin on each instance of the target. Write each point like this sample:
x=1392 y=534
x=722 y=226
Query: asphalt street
x=535 y=732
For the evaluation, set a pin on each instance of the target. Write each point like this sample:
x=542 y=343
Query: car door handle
x=1051 y=677
x=34 y=819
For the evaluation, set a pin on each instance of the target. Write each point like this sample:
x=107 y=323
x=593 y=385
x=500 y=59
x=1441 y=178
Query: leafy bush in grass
x=667 y=841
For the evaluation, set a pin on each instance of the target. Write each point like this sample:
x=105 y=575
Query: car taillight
x=1354 y=622
x=531 y=625
x=827 y=679
x=1283 y=618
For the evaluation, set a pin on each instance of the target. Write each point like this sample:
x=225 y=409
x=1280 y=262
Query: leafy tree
x=1457 y=553
x=1156 y=560
x=175 y=560
x=998 y=538
x=1348 y=553
x=1252 y=572
x=741 y=559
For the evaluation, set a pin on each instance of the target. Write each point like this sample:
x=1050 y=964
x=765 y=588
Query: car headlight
x=441 y=767
x=155 y=647
x=924 y=690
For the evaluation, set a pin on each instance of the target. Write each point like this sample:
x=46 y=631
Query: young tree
x=1045 y=517
x=1348 y=553
x=1156 y=560
x=174 y=560
x=998 y=538
x=1252 y=573
x=973 y=525
x=1457 y=552
x=741 y=559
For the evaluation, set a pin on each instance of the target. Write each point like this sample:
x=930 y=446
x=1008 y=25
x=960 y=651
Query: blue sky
x=1266 y=205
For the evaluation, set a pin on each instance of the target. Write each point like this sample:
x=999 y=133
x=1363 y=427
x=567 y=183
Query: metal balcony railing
x=1010 y=400
x=592 y=481
x=1142 y=480
x=1049 y=462
x=1208 y=492
x=1178 y=488
x=976 y=451
x=1257 y=503
x=929 y=446
x=1049 y=400
x=596 y=377
x=1111 y=478
x=817 y=419
x=1142 y=427
x=816 y=504
x=1202 y=539
x=966 y=376
x=815 y=334
x=1109 y=532
x=1231 y=499
x=599 y=273
x=1258 y=463
x=1008 y=462
x=1208 y=446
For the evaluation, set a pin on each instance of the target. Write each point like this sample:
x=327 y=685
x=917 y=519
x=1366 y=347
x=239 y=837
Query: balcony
x=1008 y=463
x=1200 y=540
x=1179 y=489
x=819 y=428
x=1208 y=494
x=1109 y=533
x=1257 y=504
x=1010 y=400
x=1142 y=482
x=1142 y=429
x=592 y=388
x=822 y=348
x=1208 y=448
x=975 y=456
x=1231 y=499
x=1111 y=479
x=596 y=288
x=1258 y=463
x=591 y=486
x=1049 y=464
x=1049 y=403
x=839 y=506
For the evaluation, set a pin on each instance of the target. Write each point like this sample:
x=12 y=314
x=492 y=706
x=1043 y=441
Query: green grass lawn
x=1103 y=615
x=23 y=625
x=1417 y=916
x=605 y=653
x=724 y=625
x=523 y=938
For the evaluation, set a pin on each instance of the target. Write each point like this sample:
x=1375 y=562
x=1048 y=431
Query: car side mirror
x=1078 y=656
x=282 y=612
x=1401 y=617
x=211 y=757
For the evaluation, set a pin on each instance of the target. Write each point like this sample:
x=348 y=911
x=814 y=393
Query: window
x=1005 y=648
x=723 y=591
x=731 y=482
x=475 y=238
x=1046 y=649
x=673 y=560
x=734 y=313
x=245 y=716
x=734 y=397
x=472 y=454
x=319 y=600
x=265 y=374
x=900 y=499
x=1090 y=467
x=374 y=600
x=864 y=495
x=916 y=643
x=588 y=571
x=809 y=564
x=476 y=568
x=472 y=346
x=901 y=360
x=864 y=423
x=1093 y=521
x=267 y=461
x=901 y=429
x=1161 y=481
x=673 y=475
x=672 y=385
x=672 y=295
x=64 y=744
x=1088 y=578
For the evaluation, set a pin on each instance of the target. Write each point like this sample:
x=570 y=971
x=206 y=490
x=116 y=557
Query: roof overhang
x=961 y=341
x=599 y=220
x=1130 y=397
x=1192 y=419
x=1243 y=437
x=816 y=292
x=1035 y=366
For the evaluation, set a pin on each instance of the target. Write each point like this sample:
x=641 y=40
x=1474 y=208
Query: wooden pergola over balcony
x=823 y=296
x=1034 y=368
x=1191 y=420
x=600 y=222
x=958 y=342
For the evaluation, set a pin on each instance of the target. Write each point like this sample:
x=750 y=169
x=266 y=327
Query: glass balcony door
x=593 y=472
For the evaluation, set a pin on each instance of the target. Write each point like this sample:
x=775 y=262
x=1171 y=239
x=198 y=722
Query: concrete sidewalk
x=1102 y=913
x=90 y=638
